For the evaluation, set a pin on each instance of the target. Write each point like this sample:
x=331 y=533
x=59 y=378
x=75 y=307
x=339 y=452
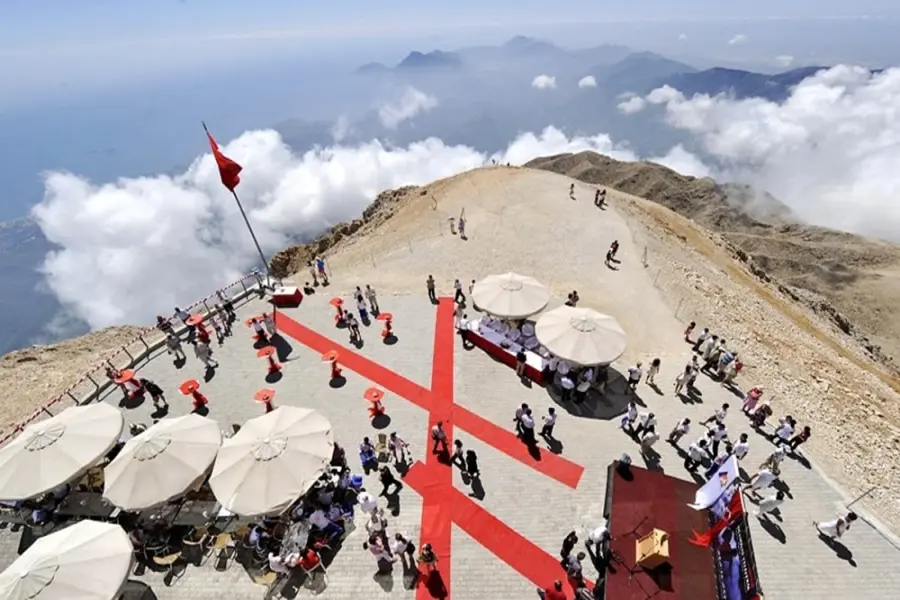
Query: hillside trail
x=523 y=221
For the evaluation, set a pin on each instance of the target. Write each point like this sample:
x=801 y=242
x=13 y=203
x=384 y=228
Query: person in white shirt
x=397 y=447
x=718 y=416
x=581 y=390
x=518 y=418
x=719 y=433
x=204 y=353
x=695 y=455
x=596 y=538
x=259 y=330
x=459 y=297
x=269 y=320
x=549 y=423
x=774 y=460
x=701 y=338
x=528 y=428
x=277 y=564
x=647 y=420
x=837 y=528
x=769 y=504
x=372 y=297
x=742 y=447
x=367 y=502
x=764 y=478
x=679 y=431
x=649 y=438
x=629 y=418
x=634 y=376
x=785 y=431
x=438 y=437
x=709 y=347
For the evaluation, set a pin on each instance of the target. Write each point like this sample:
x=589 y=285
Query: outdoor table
x=196 y=513
x=287 y=296
x=490 y=341
x=296 y=539
x=85 y=504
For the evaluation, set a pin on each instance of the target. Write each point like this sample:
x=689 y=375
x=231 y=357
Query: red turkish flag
x=735 y=509
x=229 y=170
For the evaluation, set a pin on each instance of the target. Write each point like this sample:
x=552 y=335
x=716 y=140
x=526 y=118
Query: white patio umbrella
x=52 y=452
x=581 y=335
x=511 y=296
x=162 y=462
x=273 y=460
x=87 y=561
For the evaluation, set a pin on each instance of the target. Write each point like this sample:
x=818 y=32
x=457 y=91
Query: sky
x=836 y=141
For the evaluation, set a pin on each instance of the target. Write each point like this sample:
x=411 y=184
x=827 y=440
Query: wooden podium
x=652 y=550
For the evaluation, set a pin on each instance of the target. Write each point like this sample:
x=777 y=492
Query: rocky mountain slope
x=850 y=280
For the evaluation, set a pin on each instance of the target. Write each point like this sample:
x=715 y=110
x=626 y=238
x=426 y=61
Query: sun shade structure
x=53 y=452
x=511 y=296
x=87 y=561
x=162 y=462
x=581 y=335
x=273 y=460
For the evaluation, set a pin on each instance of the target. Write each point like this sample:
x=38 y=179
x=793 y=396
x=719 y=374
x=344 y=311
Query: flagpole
x=252 y=235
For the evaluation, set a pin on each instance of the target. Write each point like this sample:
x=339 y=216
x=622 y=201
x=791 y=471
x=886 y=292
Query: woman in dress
x=751 y=399
x=653 y=371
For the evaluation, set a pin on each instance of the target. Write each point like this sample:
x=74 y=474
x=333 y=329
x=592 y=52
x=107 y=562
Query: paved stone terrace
x=793 y=562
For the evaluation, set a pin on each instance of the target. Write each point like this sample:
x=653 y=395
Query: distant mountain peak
x=431 y=60
x=523 y=43
x=374 y=67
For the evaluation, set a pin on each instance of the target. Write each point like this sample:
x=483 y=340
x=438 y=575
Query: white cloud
x=682 y=37
x=341 y=129
x=544 y=82
x=632 y=105
x=737 y=40
x=160 y=241
x=784 y=60
x=831 y=151
x=587 y=82
x=664 y=95
x=411 y=104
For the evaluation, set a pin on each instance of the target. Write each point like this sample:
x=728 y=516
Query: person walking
x=648 y=439
x=695 y=455
x=320 y=267
x=653 y=371
x=312 y=271
x=719 y=433
x=217 y=327
x=763 y=479
x=521 y=359
x=555 y=592
x=156 y=393
x=429 y=284
x=688 y=331
x=269 y=322
x=785 y=431
x=768 y=505
x=471 y=287
x=634 y=376
x=528 y=428
x=568 y=545
x=679 y=431
x=698 y=343
x=682 y=379
x=718 y=415
x=204 y=353
x=458 y=457
x=837 y=528
x=800 y=439
x=260 y=330
x=472 y=464
x=173 y=346
x=549 y=423
x=742 y=448
x=646 y=421
x=428 y=558
x=751 y=399
x=631 y=414
x=354 y=326
x=458 y=295
x=388 y=480
x=361 y=305
x=439 y=437
x=397 y=447
x=372 y=297
x=517 y=419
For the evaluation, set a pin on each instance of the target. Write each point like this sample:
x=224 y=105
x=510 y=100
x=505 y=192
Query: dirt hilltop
x=850 y=280
x=822 y=373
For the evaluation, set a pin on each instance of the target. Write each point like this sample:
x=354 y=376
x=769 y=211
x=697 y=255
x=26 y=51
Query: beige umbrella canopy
x=510 y=296
x=273 y=460
x=581 y=335
x=87 y=561
x=162 y=462
x=53 y=452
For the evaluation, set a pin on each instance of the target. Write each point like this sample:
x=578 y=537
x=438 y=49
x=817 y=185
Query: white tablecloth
x=533 y=359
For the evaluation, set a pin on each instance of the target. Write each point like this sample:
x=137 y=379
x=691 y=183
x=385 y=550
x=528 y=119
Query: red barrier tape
x=101 y=366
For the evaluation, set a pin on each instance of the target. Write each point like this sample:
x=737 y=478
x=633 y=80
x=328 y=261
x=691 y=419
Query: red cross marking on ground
x=442 y=503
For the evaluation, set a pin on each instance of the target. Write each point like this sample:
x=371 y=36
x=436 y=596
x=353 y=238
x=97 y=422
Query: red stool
x=337 y=303
x=332 y=357
x=388 y=319
x=191 y=387
x=269 y=353
x=374 y=396
x=264 y=397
